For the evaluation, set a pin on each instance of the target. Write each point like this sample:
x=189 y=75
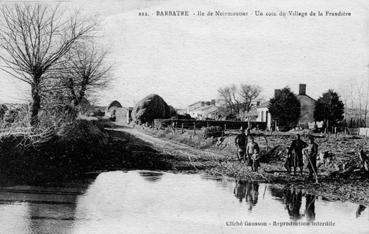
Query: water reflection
x=310 y=207
x=360 y=210
x=293 y=198
x=166 y=203
x=248 y=191
x=38 y=209
x=151 y=175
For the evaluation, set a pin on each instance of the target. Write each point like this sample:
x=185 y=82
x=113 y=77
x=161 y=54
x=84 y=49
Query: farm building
x=112 y=107
x=123 y=115
x=118 y=113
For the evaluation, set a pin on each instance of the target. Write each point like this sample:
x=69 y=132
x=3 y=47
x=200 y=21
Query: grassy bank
x=71 y=151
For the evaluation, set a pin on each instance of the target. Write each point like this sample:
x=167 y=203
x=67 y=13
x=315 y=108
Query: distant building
x=110 y=109
x=181 y=111
x=263 y=114
x=307 y=107
x=123 y=115
x=118 y=112
x=205 y=109
x=306 y=110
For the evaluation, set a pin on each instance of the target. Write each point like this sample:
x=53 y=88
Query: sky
x=186 y=59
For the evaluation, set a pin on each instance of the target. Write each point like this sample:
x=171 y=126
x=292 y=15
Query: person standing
x=295 y=151
x=241 y=142
x=311 y=153
x=251 y=148
x=255 y=159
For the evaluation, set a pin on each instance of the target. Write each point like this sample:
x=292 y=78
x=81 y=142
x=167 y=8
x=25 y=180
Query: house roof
x=114 y=103
x=304 y=95
x=207 y=109
x=195 y=103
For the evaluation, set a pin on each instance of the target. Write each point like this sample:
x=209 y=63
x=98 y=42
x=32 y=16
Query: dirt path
x=171 y=147
x=198 y=158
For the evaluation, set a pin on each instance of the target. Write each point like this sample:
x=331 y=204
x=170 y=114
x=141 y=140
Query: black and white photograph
x=184 y=116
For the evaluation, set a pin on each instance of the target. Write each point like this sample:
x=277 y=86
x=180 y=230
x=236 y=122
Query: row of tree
x=54 y=53
x=285 y=108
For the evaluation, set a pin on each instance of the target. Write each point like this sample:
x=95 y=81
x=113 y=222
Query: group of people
x=249 y=153
x=297 y=151
x=248 y=149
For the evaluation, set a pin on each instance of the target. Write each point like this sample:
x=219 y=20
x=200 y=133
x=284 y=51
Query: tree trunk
x=70 y=85
x=36 y=104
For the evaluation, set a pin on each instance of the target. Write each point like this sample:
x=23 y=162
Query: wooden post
x=194 y=128
x=182 y=128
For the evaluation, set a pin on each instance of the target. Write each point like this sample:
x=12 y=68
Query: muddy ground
x=220 y=159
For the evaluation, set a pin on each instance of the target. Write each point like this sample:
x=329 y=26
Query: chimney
x=302 y=89
x=277 y=92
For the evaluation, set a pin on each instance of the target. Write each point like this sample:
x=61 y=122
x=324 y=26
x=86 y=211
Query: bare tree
x=229 y=95
x=35 y=38
x=249 y=93
x=239 y=99
x=85 y=70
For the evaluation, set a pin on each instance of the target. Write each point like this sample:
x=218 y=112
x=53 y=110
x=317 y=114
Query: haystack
x=150 y=108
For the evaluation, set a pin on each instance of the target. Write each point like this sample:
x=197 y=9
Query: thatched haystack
x=172 y=111
x=150 y=108
x=113 y=106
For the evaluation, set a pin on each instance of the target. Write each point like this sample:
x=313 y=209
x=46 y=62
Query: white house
x=263 y=115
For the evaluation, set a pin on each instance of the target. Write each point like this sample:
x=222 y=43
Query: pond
x=158 y=202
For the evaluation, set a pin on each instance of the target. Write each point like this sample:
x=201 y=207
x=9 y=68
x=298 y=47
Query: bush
x=213 y=131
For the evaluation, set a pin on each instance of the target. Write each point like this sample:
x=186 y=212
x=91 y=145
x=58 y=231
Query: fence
x=194 y=124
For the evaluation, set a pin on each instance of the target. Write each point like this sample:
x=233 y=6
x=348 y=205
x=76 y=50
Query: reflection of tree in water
x=151 y=176
x=360 y=210
x=292 y=198
x=48 y=209
x=248 y=191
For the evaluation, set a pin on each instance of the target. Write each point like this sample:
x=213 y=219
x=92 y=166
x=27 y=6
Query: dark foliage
x=285 y=108
x=329 y=108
